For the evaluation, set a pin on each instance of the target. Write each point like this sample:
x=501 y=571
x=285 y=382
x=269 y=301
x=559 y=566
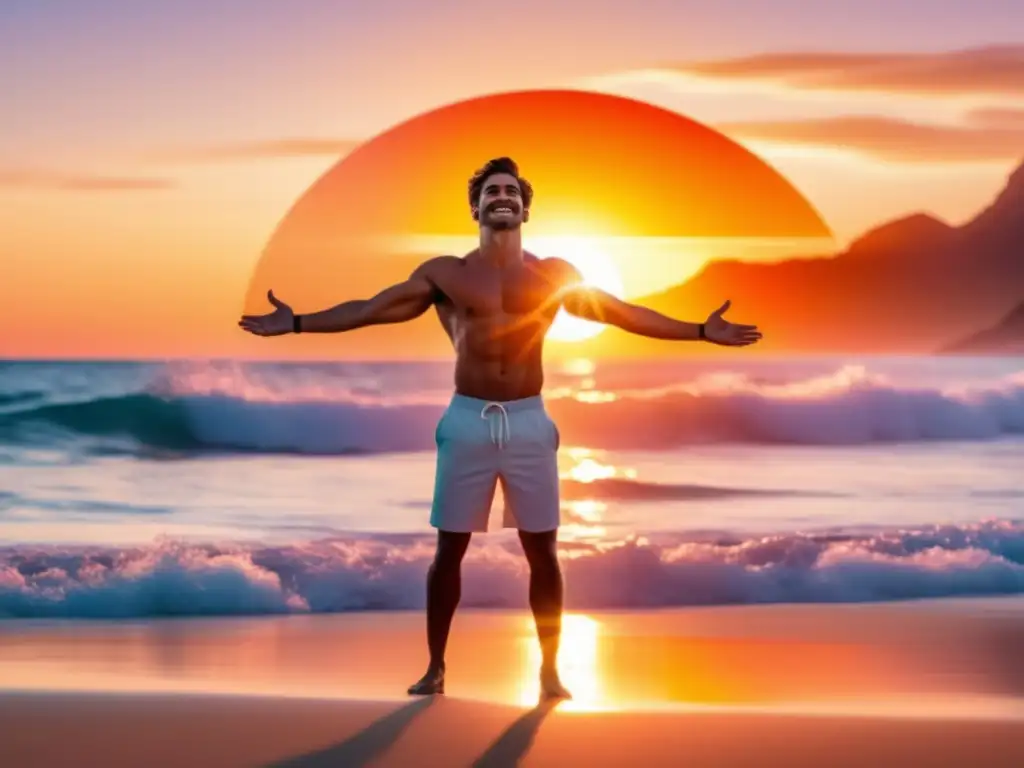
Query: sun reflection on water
x=584 y=510
x=586 y=467
x=579 y=366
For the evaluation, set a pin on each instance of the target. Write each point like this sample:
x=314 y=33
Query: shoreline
x=1012 y=603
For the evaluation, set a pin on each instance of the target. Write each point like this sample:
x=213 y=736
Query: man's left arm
x=601 y=307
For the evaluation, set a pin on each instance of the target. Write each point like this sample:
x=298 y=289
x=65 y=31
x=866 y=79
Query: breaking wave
x=379 y=572
x=848 y=407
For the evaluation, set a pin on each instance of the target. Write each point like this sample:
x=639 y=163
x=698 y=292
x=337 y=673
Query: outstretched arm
x=397 y=304
x=599 y=306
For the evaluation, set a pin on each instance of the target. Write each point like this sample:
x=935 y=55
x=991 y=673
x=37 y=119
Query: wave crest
x=849 y=407
x=386 y=572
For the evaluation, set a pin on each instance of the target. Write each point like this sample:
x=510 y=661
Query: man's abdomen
x=490 y=380
x=499 y=358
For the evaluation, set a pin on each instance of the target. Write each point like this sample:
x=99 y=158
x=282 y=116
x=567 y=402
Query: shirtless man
x=496 y=303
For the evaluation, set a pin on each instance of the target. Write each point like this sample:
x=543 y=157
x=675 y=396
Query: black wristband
x=701 y=333
x=296 y=323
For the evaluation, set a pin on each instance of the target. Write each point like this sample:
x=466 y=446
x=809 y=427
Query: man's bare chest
x=496 y=295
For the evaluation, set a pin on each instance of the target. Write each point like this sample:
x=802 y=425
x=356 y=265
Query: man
x=496 y=303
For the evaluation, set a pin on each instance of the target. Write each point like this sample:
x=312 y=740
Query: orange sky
x=600 y=163
x=152 y=152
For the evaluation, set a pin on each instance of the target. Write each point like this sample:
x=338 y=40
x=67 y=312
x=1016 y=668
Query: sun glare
x=598 y=270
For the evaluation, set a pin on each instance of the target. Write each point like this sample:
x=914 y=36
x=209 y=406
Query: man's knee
x=541 y=550
x=451 y=548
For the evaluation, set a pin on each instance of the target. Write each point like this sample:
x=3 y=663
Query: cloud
x=255 y=150
x=79 y=182
x=993 y=70
x=891 y=139
x=997 y=117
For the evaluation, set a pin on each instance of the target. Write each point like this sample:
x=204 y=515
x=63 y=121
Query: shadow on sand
x=366 y=746
x=515 y=742
x=372 y=742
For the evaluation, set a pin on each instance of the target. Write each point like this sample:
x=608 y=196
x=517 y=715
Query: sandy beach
x=169 y=730
x=923 y=683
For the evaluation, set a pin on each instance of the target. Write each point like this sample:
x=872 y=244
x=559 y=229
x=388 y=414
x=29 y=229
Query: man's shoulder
x=445 y=260
x=437 y=265
x=557 y=270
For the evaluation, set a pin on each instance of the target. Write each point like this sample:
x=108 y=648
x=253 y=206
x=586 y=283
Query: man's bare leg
x=444 y=589
x=541 y=551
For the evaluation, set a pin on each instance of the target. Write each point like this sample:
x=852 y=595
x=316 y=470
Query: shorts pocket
x=438 y=436
x=556 y=435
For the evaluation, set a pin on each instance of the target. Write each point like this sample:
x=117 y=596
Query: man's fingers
x=721 y=309
x=273 y=299
x=741 y=339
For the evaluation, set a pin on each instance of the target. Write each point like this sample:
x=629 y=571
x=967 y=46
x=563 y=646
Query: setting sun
x=598 y=270
x=628 y=219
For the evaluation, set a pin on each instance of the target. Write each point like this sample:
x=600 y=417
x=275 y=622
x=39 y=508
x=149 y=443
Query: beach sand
x=920 y=683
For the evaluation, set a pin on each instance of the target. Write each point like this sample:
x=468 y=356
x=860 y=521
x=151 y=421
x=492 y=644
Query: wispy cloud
x=254 y=150
x=997 y=117
x=892 y=139
x=79 y=182
x=993 y=70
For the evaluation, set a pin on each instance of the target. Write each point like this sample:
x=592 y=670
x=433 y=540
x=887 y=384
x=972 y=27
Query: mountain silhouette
x=911 y=285
x=1007 y=337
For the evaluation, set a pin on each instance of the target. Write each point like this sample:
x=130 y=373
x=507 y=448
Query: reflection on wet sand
x=945 y=654
x=578 y=665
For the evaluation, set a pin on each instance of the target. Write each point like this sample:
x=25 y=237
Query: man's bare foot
x=429 y=684
x=551 y=686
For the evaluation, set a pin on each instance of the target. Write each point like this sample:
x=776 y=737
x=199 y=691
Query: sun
x=662 y=178
x=598 y=271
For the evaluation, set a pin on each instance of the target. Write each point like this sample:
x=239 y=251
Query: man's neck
x=502 y=247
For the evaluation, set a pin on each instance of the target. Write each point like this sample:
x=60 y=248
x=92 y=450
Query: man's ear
x=526 y=214
x=476 y=214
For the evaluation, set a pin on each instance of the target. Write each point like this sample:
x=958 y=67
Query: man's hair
x=496 y=166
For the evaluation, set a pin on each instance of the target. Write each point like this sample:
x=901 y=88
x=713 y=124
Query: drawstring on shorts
x=500 y=432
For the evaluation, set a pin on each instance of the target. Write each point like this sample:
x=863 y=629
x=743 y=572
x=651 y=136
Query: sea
x=218 y=488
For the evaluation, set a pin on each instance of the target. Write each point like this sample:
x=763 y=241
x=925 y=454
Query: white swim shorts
x=481 y=443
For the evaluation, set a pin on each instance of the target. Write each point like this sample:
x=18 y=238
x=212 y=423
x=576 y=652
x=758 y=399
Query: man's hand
x=718 y=330
x=275 y=323
x=399 y=303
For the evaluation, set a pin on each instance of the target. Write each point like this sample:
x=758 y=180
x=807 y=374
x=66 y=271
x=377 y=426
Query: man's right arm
x=397 y=304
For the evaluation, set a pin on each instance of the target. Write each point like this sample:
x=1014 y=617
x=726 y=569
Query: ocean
x=141 y=489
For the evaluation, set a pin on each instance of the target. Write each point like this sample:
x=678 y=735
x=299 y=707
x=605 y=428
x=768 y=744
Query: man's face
x=501 y=203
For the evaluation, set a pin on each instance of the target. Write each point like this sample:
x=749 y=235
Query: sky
x=149 y=150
